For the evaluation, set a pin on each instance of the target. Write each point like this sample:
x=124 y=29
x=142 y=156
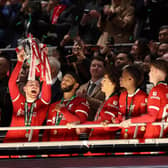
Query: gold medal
x=55 y=132
x=125 y=135
x=142 y=128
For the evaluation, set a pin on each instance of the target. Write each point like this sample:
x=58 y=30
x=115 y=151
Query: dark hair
x=143 y=47
x=129 y=56
x=74 y=75
x=113 y=75
x=137 y=73
x=99 y=58
x=163 y=27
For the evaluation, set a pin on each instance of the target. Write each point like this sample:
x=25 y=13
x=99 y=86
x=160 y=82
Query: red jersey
x=75 y=109
x=40 y=107
x=132 y=105
x=157 y=108
x=108 y=111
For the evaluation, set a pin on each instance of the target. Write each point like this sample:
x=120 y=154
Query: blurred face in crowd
x=163 y=35
x=68 y=83
x=121 y=60
x=97 y=69
x=107 y=86
x=134 y=49
x=163 y=48
x=4 y=67
x=117 y=2
x=165 y=56
x=76 y=48
x=32 y=89
x=126 y=80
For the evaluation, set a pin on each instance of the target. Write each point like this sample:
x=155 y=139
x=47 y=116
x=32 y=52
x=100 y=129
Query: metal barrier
x=82 y=146
x=31 y=128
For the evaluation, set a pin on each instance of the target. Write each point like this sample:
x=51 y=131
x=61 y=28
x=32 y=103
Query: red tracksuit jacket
x=132 y=106
x=76 y=109
x=108 y=111
x=157 y=109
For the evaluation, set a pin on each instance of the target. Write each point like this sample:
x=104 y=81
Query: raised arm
x=13 y=88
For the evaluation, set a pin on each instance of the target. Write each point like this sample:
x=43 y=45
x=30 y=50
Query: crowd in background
x=101 y=51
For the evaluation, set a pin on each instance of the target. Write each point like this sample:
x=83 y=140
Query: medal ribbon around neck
x=99 y=110
x=28 y=116
x=129 y=109
x=58 y=115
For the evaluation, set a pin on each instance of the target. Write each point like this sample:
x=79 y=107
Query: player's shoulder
x=160 y=88
x=79 y=99
x=114 y=97
x=123 y=93
x=142 y=93
x=52 y=105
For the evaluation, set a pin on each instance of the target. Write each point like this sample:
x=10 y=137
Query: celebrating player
x=71 y=109
x=108 y=110
x=29 y=110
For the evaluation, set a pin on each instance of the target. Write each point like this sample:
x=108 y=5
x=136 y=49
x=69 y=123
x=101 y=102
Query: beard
x=68 y=88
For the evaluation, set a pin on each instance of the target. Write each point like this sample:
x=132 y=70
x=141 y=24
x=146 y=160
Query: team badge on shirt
x=155 y=96
x=154 y=93
x=20 y=112
x=115 y=102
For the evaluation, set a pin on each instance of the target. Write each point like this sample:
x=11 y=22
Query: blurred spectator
x=162 y=49
x=5 y=100
x=52 y=9
x=157 y=9
x=122 y=59
x=78 y=62
x=163 y=34
x=92 y=89
x=66 y=26
x=71 y=109
x=56 y=93
x=8 y=28
x=28 y=20
x=165 y=56
x=117 y=22
x=141 y=54
x=140 y=50
x=141 y=15
x=89 y=31
x=153 y=46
